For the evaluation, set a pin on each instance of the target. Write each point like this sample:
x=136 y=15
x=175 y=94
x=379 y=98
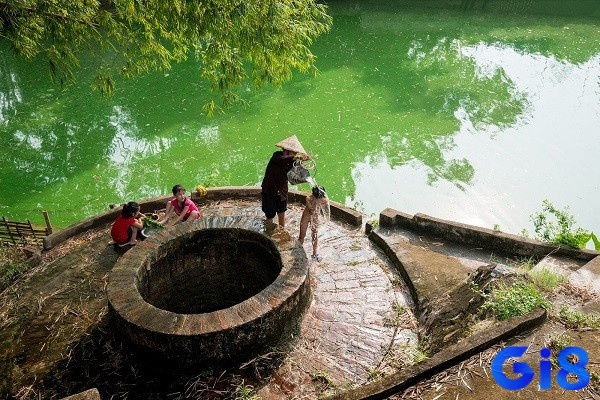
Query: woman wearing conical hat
x=275 y=182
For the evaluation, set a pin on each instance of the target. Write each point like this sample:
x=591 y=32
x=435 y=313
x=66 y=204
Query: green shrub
x=506 y=301
x=560 y=229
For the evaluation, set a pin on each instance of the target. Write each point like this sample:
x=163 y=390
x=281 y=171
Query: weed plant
x=506 y=301
x=557 y=226
x=577 y=320
x=546 y=279
x=558 y=342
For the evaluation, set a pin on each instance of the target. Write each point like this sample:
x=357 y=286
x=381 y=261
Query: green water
x=457 y=113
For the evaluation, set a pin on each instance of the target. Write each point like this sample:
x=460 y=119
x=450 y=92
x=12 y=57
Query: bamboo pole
x=48 y=224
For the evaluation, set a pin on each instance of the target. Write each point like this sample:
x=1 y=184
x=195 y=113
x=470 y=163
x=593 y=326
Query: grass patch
x=520 y=263
x=506 y=301
x=355 y=246
x=374 y=375
x=245 y=392
x=577 y=320
x=407 y=355
x=546 y=279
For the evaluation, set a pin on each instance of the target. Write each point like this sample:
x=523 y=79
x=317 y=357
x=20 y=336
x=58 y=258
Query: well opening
x=210 y=270
x=215 y=291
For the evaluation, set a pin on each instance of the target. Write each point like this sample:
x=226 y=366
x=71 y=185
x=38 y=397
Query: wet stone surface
x=345 y=333
x=343 y=336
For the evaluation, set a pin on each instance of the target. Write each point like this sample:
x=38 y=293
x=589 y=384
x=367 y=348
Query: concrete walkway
x=358 y=328
x=344 y=336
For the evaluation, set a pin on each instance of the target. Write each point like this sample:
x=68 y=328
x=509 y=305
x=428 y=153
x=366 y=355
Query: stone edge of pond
x=444 y=359
x=338 y=210
x=501 y=242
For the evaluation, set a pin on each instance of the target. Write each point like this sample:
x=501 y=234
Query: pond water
x=469 y=115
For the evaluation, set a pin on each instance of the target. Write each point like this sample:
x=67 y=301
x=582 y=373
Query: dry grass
x=67 y=246
x=459 y=375
x=579 y=294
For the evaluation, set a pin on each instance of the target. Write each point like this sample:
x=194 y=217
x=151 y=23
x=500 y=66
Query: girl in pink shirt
x=184 y=208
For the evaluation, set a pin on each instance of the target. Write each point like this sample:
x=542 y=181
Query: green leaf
x=596 y=241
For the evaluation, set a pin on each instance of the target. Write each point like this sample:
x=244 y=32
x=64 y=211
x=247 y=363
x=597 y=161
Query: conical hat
x=292 y=143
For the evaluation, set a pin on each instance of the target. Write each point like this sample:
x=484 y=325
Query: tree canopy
x=261 y=41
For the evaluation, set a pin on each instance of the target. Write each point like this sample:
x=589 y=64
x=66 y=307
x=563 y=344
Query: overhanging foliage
x=261 y=41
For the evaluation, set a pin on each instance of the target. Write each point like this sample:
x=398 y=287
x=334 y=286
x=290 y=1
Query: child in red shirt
x=128 y=224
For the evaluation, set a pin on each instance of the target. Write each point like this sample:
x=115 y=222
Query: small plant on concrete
x=558 y=342
x=374 y=375
x=525 y=263
x=355 y=246
x=416 y=355
x=546 y=279
x=507 y=301
x=400 y=317
x=245 y=392
x=322 y=379
x=560 y=229
x=518 y=263
x=374 y=222
x=407 y=355
x=595 y=378
x=577 y=320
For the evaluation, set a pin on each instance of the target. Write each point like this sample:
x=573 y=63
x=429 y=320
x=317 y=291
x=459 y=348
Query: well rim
x=126 y=302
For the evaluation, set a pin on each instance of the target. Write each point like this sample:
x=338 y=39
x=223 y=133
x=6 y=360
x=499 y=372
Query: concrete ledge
x=98 y=220
x=393 y=257
x=338 y=211
x=450 y=356
x=500 y=242
x=90 y=394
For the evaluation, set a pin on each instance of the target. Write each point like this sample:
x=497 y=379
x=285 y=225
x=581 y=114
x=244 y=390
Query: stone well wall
x=210 y=269
x=231 y=290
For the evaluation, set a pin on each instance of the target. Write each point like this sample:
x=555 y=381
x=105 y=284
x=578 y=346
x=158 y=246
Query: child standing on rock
x=317 y=204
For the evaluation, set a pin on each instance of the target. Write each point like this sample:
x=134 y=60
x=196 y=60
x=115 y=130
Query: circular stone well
x=213 y=291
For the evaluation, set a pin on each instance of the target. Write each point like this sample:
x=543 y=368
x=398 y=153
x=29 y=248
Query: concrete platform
x=361 y=319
